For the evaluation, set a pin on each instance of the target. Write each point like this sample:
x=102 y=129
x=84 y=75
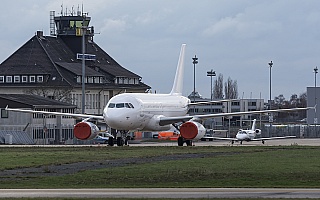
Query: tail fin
x=178 y=79
x=254 y=125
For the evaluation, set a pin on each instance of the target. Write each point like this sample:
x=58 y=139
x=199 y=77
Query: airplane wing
x=249 y=112
x=273 y=138
x=171 y=120
x=57 y=113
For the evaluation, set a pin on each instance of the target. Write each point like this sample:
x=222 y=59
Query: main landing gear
x=181 y=140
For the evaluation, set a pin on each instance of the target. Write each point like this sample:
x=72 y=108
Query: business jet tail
x=254 y=125
x=178 y=79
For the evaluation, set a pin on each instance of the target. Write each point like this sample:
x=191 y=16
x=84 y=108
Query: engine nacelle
x=85 y=130
x=192 y=130
x=258 y=131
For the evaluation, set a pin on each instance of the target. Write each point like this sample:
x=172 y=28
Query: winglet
x=178 y=79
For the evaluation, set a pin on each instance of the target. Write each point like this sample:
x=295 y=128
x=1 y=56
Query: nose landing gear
x=121 y=138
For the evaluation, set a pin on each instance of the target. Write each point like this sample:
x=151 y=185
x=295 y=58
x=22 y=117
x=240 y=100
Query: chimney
x=40 y=33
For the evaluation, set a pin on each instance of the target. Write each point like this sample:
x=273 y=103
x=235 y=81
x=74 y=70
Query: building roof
x=31 y=101
x=51 y=57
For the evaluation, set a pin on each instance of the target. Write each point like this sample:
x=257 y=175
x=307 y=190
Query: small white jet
x=149 y=112
x=250 y=135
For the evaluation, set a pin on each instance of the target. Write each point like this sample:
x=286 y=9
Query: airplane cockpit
x=241 y=131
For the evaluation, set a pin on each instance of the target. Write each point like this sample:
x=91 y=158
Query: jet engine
x=85 y=130
x=258 y=131
x=192 y=130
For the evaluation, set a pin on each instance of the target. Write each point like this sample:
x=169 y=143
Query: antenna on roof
x=52 y=25
x=79 y=11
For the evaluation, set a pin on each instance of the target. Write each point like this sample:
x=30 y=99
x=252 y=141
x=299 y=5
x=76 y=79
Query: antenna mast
x=52 y=25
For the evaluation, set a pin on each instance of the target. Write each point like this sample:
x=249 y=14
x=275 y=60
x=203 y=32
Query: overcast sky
x=237 y=38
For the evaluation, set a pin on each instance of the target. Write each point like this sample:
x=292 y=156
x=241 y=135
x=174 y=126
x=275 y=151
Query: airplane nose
x=118 y=120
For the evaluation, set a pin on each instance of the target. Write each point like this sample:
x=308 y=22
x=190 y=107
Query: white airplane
x=149 y=112
x=249 y=135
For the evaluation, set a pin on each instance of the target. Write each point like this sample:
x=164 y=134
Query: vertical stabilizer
x=178 y=79
x=254 y=125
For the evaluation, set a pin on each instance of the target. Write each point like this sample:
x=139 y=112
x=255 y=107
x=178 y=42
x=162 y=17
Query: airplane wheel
x=262 y=141
x=126 y=141
x=240 y=142
x=180 y=141
x=110 y=141
x=119 y=141
x=189 y=142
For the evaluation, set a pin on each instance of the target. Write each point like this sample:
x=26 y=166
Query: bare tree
x=302 y=100
x=231 y=89
x=59 y=94
x=218 y=87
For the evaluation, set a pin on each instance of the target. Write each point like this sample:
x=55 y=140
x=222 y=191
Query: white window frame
x=16 y=79
x=8 y=79
x=24 y=79
x=39 y=79
x=32 y=79
x=1 y=79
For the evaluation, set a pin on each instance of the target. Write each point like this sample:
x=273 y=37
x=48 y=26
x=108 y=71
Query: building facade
x=43 y=129
x=237 y=105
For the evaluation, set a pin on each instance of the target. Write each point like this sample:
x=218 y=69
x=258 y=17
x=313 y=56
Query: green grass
x=292 y=166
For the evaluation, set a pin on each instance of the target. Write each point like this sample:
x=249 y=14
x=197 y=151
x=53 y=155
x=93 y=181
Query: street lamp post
x=315 y=94
x=84 y=28
x=211 y=74
x=270 y=97
x=195 y=61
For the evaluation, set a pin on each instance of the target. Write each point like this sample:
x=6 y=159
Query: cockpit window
x=111 y=105
x=120 y=105
x=129 y=105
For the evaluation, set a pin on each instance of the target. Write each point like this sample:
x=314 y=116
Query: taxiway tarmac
x=133 y=143
x=162 y=193
x=280 y=142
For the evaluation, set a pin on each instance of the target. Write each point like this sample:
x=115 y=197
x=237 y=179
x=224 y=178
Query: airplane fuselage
x=139 y=111
x=245 y=135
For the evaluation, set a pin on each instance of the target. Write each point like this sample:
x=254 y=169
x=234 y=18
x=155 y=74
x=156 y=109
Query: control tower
x=70 y=29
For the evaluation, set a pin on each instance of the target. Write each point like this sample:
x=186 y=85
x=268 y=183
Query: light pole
x=194 y=62
x=84 y=28
x=270 y=96
x=270 y=115
x=211 y=74
x=315 y=94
